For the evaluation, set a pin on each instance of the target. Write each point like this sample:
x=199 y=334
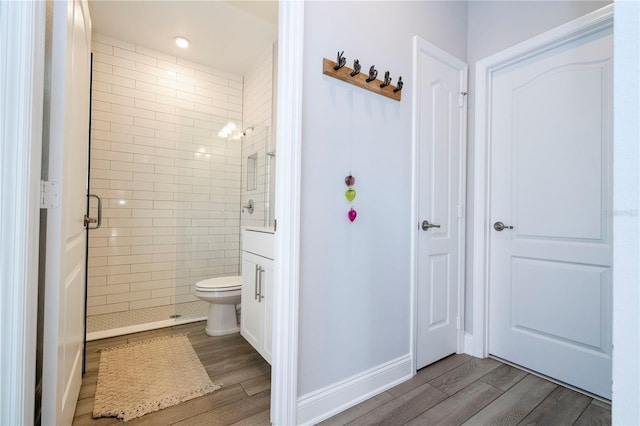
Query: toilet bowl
x=222 y=294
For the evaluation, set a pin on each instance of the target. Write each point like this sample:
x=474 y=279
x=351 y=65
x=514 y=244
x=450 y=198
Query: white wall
x=495 y=26
x=357 y=274
x=355 y=277
x=626 y=201
x=170 y=186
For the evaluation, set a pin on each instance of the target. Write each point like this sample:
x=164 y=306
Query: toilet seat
x=220 y=284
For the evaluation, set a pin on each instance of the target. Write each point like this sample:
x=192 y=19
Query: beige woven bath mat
x=146 y=376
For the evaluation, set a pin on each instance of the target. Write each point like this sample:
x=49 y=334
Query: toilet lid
x=220 y=283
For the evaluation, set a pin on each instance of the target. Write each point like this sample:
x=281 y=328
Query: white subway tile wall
x=257 y=114
x=170 y=186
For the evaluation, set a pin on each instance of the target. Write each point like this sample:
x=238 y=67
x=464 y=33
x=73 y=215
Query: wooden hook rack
x=359 y=80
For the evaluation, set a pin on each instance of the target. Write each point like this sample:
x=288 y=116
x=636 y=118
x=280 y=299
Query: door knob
x=426 y=225
x=499 y=226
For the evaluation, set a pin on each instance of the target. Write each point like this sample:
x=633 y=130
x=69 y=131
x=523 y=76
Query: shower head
x=241 y=134
x=244 y=131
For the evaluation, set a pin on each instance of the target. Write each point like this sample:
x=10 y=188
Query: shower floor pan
x=133 y=321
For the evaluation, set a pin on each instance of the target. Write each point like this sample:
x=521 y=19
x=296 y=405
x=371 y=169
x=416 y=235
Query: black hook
x=356 y=68
x=399 y=85
x=387 y=80
x=373 y=73
x=341 y=61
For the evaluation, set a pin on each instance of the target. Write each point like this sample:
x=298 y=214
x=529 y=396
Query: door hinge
x=461 y=99
x=49 y=195
x=458 y=323
x=460 y=211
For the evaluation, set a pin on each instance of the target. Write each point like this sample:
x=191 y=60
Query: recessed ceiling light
x=181 y=42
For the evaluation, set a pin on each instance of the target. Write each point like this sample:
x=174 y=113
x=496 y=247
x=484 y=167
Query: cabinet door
x=267 y=301
x=252 y=312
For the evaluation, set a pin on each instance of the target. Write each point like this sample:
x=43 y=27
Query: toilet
x=223 y=294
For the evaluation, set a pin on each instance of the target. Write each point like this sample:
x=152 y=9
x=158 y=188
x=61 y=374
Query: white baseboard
x=333 y=399
x=104 y=334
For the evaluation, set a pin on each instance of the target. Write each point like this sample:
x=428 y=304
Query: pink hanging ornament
x=352 y=214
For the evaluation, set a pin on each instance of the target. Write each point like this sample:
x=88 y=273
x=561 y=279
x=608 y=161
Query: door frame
x=421 y=45
x=485 y=68
x=22 y=74
x=284 y=376
x=24 y=120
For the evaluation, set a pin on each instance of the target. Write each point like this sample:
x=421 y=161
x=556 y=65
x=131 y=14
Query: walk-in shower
x=172 y=187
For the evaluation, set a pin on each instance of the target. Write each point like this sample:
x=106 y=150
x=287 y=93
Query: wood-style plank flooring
x=244 y=398
x=458 y=390
x=462 y=390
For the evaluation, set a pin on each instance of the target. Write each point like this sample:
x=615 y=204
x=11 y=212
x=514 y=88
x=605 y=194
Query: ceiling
x=226 y=35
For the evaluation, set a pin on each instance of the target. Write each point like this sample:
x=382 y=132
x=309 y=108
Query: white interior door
x=550 y=176
x=440 y=146
x=65 y=249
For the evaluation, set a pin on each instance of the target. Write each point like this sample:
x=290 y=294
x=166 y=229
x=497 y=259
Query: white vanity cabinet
x=257 y=290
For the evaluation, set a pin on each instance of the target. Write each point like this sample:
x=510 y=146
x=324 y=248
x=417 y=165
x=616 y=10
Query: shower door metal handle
x=89 y=220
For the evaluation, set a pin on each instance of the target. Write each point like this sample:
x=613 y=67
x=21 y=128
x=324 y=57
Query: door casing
x=22 y=73
x=485 y=68
x=284 y=373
